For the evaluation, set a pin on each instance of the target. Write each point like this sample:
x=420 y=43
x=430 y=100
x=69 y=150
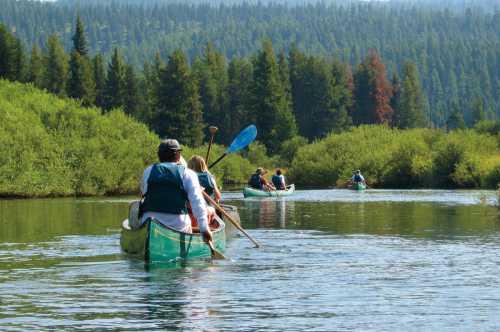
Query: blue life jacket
x=206 y=182
x=255 y=181
x=277 y=182
x=165 y=191
x=357 y=178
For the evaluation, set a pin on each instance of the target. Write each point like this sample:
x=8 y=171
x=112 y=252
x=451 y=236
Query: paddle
x=228 y=217
x=212 y=130
x=216 y=254
x=245 y=137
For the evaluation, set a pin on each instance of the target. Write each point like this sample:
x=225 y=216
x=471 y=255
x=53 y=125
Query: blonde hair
x=197 y=164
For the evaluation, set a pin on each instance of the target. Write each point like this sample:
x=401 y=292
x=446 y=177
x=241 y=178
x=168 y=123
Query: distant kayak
x=358 y=186
x=252 y=192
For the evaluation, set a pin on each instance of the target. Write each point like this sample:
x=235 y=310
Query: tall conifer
x=178 y=112
x=115 y=88
x=410 y=113
x=56 y=67
x=372 y=91
x=35 y=73
x=274 y=117
x=99 y=79
x=81 y=83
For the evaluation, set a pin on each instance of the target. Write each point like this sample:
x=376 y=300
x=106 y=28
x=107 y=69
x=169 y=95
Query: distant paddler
x=278 y=180
x=258 y=181
x=167 y=188
x=357 y=179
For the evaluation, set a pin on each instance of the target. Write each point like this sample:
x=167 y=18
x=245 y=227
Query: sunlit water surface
x=331 y=260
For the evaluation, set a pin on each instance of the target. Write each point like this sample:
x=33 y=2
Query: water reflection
x=357 y=263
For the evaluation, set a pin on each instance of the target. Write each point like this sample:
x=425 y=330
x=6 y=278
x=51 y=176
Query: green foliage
x=454 y=46
x=372 y=92
x=409 y=109
x=51 y=146
x=400 y=158
x=56 y=67
x=178 y=110
x=114 y=91
x=81 y=83
x=270 y=106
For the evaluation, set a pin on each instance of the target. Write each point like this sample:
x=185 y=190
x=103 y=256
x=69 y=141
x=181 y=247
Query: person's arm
x=217 y=193
x=195 y=196
x=283 y=183
x=144 y=181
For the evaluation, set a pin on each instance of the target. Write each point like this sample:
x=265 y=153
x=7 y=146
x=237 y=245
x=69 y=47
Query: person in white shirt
x=168 y=186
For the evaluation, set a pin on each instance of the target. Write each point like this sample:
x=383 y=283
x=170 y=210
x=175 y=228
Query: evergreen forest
x=366 y=85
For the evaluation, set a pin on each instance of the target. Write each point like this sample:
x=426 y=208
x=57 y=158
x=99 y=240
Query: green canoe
x=358 y=186
x=251 y=192
x=155 y=242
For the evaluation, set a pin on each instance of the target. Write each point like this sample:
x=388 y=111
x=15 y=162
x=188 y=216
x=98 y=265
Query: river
x=331 y=260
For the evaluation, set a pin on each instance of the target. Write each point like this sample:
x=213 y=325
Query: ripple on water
x=432 y=267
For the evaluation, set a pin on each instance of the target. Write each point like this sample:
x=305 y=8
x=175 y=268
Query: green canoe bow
x=155 y=242
x=251 y=192
x=358 y=186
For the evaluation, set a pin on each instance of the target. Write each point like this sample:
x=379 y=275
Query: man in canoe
x=357 y=178
x=279 y=180
x=168 y=186
x=258 y=181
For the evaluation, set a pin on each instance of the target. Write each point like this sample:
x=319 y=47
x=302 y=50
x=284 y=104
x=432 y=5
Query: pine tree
x=372 y=92
x=151 y=83
x=178 y=112
x=211 y=73
x=81 y=84
x=240 y=81
x=35 y=74
x=6 y=53
x=132 y=100
x=478 y=112
x=12 y=58
x=342 y=95
x=410 y=113
x=297 y=64
x=274 y=119
x=19 y=69
x=455 y=121
x=56 y=67
x=79 y=40
x=115 y=89
x=396 y=97
x=99 y=79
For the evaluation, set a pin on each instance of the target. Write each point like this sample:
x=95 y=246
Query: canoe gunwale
x=252 y=192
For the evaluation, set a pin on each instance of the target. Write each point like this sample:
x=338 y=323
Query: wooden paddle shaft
x=212 y=130
x=225 y=214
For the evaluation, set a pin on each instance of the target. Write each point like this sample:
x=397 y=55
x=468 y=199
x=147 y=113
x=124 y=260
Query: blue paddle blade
x=244 y=138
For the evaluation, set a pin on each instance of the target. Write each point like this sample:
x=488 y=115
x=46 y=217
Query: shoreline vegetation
x=73 y=125
x=52 y=147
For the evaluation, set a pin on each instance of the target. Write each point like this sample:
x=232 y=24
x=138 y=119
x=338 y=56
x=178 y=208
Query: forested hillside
x=457 y=52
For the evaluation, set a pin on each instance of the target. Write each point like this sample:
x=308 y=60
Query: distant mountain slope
x=458 y=53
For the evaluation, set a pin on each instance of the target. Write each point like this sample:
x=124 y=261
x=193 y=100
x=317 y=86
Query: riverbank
x=53 y=147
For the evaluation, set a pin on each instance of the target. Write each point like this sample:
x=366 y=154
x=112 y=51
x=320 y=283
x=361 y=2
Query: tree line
x=455 y=44
x=287 y=95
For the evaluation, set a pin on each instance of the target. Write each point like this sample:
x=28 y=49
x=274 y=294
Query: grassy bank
x=391 y=158
x=53 y=147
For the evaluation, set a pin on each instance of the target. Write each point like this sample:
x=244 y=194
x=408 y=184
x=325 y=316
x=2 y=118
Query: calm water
x=331 y=260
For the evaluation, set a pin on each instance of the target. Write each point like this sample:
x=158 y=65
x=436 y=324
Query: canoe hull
x=155 y=242
x=358 y=186
x=251 y=192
